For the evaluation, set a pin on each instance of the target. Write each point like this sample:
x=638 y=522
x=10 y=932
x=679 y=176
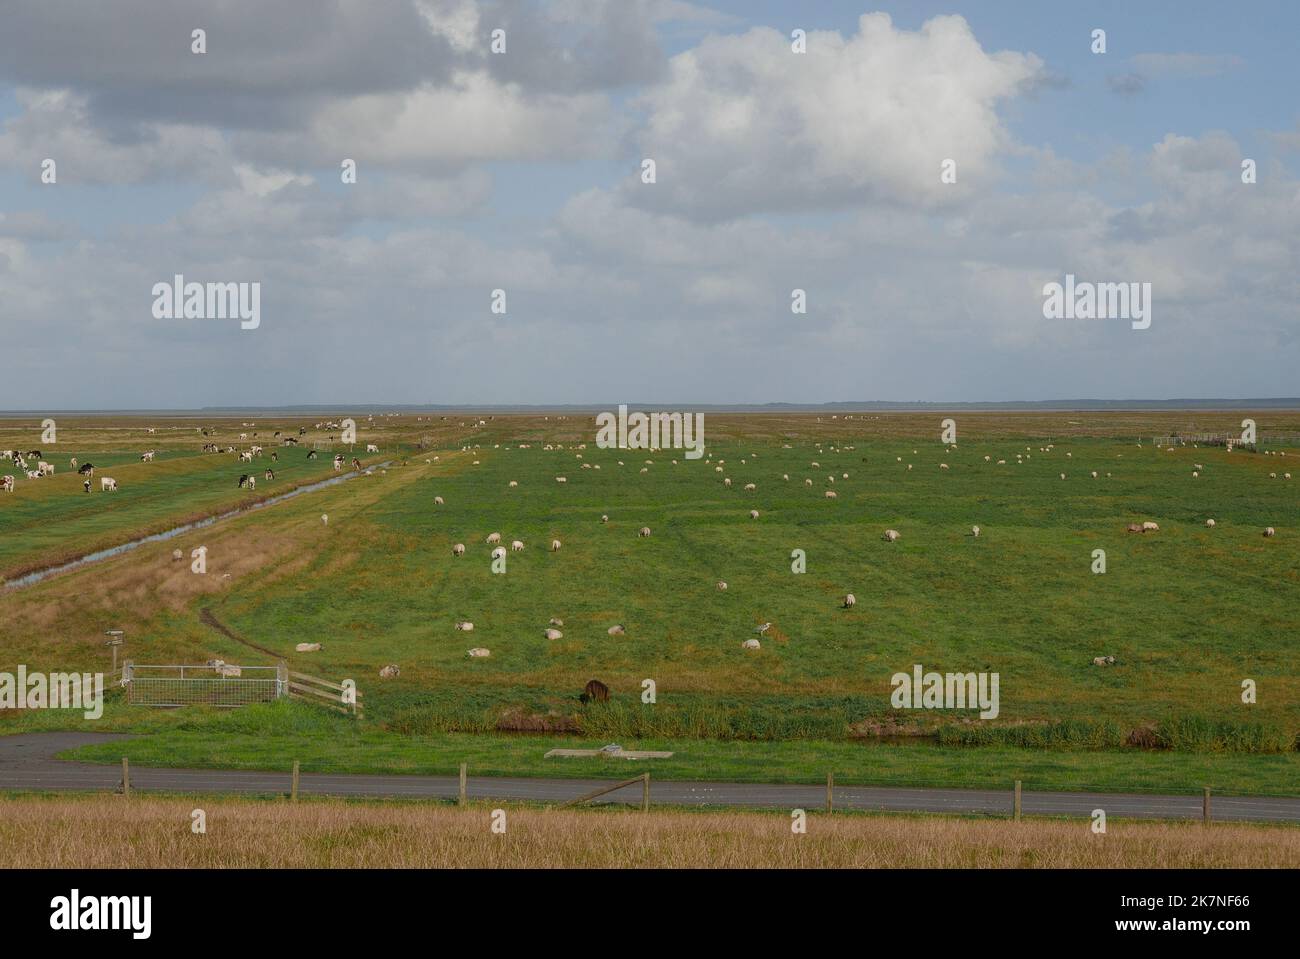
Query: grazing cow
x=44 y=468
x=372 y=448
x=617 y=630
x=275 y=457
x=850 y=601
x=86 y=485
x=107 y=484
x=555 y=545
x=595 y=692
x=464 y=626
x=458 y=549
x=7 y=484
x=245 y=457
x=1269 y=531
x=34 y=474
x=554 y=634
x=147 y=457
x=644 y=531
x=243 y=480
x=307 y=648
x=311 y=454
x=493 y=538
x=390 y=671
x=891 y=535
x=270 y=474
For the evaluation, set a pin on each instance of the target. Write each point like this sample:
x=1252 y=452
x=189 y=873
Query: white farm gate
x=203 y=685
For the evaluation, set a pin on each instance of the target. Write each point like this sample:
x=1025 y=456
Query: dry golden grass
x=154 y=832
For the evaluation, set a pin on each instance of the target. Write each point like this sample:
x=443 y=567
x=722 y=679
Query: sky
x=521 y=171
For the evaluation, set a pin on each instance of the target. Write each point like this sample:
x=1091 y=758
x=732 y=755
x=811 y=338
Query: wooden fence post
x=1017 y=813
x=1205 y=805
x=830 y=789
x=126 y=777
x=293 y=790
x=464 y=792
x=645 y=792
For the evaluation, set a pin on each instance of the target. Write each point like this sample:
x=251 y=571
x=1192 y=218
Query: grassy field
x=152 y=832
x=1188 y=612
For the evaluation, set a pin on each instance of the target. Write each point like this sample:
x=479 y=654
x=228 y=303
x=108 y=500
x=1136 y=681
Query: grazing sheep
x=750 y=487
x=561 y=479
x=891 y=535
x=389 y=672
x=1103 y=661
x=493 y=539
x=722 y=586
x=1195 y=474
x=556 y=621
x=753 y=514
x=458 y=549
x=751 y=644
x=464 y=626
x=1269 y=531
x=228 y=670
x=617 y=630
x=307 y=648
x=1135 y=527
x=437 y=501
x=1062 y=476
x=1210 y=523
x=514 y=483
x=785 y=476
x=727 y=482
x=517 y=546
x=807 y=482
x=1150 y=527
x=943 y=466
x=975 y=531
x=604 y=517
x=850 y=601
x=325 y=519
x=644 y=531
x=1094 y=474
x=831 y=494
x=554 y=634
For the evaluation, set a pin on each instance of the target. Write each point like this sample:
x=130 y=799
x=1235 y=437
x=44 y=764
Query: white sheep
x=555 y=545
x=644 y=531
x=464 y=626
x=517 y=546
x=850 y=601
x=493 y=538
x=458 y=549
x=554 y=634
x=307 y=648
x=891 y=535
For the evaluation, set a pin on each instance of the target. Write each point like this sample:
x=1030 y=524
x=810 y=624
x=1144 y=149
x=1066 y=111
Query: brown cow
x=595 y=692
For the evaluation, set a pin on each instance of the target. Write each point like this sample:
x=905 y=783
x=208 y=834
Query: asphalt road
x=27 y=763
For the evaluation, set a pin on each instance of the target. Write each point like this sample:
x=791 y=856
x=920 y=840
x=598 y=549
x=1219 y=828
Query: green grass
x=1189 y=612
x=270 y=738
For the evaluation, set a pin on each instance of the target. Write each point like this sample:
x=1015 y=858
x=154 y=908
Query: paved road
x=27 y=763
